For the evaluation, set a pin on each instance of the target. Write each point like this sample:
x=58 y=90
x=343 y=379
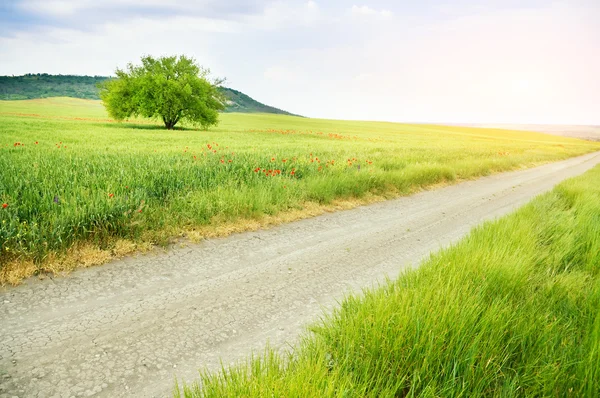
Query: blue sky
x=494 y=61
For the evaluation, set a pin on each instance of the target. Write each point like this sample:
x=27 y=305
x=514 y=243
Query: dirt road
x=129 y=327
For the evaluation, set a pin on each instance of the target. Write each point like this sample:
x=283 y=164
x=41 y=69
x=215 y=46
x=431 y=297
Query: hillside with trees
x=43 y=85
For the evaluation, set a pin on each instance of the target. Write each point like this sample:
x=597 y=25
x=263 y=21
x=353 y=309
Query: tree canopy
x=171 y=88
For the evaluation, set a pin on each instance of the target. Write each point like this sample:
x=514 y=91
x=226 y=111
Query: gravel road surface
x=128 y=328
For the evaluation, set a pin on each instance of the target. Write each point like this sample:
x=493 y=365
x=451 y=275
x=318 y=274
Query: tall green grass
x=68 y=176
x=512 y=310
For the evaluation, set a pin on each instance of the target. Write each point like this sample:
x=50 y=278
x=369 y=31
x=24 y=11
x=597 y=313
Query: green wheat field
x=73 y=181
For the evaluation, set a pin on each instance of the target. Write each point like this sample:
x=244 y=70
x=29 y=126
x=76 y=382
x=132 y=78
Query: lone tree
x=168 y=88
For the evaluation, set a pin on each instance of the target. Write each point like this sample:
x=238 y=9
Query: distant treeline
x=43 y=85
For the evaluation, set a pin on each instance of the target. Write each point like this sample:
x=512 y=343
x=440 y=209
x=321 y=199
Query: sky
x=440 y=61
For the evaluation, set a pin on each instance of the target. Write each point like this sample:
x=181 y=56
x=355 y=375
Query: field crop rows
x=70 y=181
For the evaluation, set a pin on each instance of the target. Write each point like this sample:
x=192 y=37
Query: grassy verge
x=512 y=310
x=75 y=188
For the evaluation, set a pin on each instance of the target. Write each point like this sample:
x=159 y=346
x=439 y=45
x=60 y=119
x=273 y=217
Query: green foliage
x=510 y=311
x=43 y=85
x=172 y=89
x=58 y=190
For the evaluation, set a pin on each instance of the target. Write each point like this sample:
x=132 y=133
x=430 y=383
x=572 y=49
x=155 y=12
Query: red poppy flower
x=110 y=195
x=36 y=143
x=4 y=205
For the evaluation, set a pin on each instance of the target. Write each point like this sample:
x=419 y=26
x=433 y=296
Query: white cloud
x=100 y=51
x=282 y=14
x=522 y=66
x=364 y=78
x=142 y=8
x=280 y=74
x=368 y=11
x=52 y=7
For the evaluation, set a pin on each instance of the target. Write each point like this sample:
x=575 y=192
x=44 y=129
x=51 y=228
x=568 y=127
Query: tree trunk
x=169 y=124
x=171 y=121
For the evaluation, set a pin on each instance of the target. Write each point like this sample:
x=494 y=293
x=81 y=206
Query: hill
x=240 y=102
x=33 y=86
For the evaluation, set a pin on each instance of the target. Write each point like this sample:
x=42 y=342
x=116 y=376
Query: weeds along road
x=130 y=327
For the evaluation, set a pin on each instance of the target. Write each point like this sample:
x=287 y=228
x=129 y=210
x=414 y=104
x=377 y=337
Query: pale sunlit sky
x=452 y=61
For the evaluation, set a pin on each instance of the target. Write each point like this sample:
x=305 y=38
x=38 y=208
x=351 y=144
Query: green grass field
x=71 y=179
x=510 y=311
